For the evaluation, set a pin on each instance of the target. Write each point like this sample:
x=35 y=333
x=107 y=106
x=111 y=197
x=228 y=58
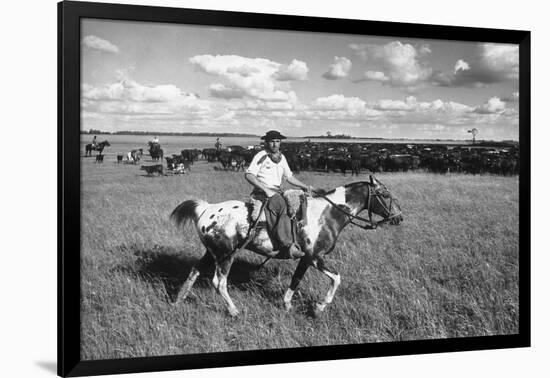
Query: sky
x=184 y=78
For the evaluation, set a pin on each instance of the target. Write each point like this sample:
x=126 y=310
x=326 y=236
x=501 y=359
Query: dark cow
x=119 y=158
x=99 y=158
x=238 y=161
x=177 y=164
x=190 y=155
x=230 y=160
x=210 y=154
x=403 y=163
x=150 y=169
x=434 y=164
x=294 y=162
x=236 y=149
x=371 y=162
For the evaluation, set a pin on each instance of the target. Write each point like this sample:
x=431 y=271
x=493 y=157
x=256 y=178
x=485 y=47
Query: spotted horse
x=227 y=227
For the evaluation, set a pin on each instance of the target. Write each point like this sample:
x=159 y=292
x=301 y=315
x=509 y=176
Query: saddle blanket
x=296 y=203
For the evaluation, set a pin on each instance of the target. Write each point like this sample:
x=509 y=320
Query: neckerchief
x=276 y=158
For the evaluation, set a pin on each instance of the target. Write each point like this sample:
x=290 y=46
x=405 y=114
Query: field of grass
x=449 y=270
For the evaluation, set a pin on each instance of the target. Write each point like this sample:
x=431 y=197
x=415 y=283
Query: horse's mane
x=322 y=192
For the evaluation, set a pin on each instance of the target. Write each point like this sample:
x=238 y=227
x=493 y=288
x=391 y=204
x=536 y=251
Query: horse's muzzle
x=396 y=220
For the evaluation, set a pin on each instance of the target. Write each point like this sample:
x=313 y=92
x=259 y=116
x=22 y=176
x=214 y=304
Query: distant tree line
x=336 y=136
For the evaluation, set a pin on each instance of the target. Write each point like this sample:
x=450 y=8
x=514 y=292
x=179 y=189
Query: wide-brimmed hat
x=273 y=134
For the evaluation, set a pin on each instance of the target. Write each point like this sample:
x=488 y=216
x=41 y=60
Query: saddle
x=296 y=206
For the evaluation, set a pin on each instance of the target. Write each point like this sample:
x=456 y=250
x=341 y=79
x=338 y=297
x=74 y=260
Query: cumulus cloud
x=424 y=49
x=244 y=70
x=221 y=91
x=493 y=105
x=129 y=90
x=514 y=97
x=338 y=102
x=95 y=43
x=385 y=104
x=264 y=106
x=376 y=76
x=411 y=104
x=501 y=58
x=128 y=97
x=405 y=66
x=255 y=78
x=494 y=63
x=297 y=70
x=339 y=69
x=399 y=63
x=461 y=65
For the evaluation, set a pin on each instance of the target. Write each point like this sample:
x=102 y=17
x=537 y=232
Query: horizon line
x=336 y=136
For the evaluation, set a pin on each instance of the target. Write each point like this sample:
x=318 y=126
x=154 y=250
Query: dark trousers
x=279 y=227
x=278 y=222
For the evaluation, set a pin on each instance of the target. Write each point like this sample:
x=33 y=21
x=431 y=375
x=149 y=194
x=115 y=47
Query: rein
x=369 y=223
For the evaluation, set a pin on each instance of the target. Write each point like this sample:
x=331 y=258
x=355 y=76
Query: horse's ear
x=371 y=179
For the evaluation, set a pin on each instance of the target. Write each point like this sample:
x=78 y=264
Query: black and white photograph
x=247 y=189
x=275 y=189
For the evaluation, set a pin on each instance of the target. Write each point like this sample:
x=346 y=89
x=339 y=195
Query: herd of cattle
x=354 y=158
x=502 y=159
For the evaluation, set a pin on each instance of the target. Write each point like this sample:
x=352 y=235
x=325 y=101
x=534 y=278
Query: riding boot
x=291 y=251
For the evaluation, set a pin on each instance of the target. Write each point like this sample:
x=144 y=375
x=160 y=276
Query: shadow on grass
x=171 y=267
x=153 y=175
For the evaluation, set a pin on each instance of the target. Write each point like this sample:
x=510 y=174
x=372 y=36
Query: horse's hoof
x=288 y=306
x=233 y=312
x=173 y=302
x=318 y=311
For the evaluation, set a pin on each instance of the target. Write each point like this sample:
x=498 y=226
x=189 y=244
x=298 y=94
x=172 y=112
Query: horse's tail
x=188 y=211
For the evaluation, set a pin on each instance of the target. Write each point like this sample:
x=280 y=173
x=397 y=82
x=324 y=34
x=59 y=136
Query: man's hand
x=308 y=189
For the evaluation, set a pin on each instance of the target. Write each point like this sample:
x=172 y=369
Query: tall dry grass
x=450 y=270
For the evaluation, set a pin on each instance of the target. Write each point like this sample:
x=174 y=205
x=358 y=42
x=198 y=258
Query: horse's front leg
x=220 y=282
x=301 y=269
x=323 y=267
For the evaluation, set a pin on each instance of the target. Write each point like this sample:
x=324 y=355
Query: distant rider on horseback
x=265 y=173
x=94 y=142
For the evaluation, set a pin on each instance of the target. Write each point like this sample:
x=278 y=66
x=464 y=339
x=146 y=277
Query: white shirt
x=267 y=172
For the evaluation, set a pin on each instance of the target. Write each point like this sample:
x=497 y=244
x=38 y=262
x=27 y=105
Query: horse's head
x=382 y=203
x=106 y=143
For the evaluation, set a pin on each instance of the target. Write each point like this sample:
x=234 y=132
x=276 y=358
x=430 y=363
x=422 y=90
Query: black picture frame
x=69 y=16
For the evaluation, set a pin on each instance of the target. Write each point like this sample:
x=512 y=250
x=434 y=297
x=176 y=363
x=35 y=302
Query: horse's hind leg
x=320 y=264
x=220 y=282
x=206 y=261
x=296 y=278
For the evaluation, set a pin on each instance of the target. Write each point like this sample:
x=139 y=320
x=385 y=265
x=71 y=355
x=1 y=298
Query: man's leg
x=280 y=227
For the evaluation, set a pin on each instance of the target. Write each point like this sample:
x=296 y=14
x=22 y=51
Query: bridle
x=369 y=224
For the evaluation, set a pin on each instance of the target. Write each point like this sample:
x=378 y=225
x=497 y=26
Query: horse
x=155 y=151
x=98 y=147
x=226 y=228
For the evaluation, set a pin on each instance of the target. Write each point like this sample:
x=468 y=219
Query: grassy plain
x=450 y=269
